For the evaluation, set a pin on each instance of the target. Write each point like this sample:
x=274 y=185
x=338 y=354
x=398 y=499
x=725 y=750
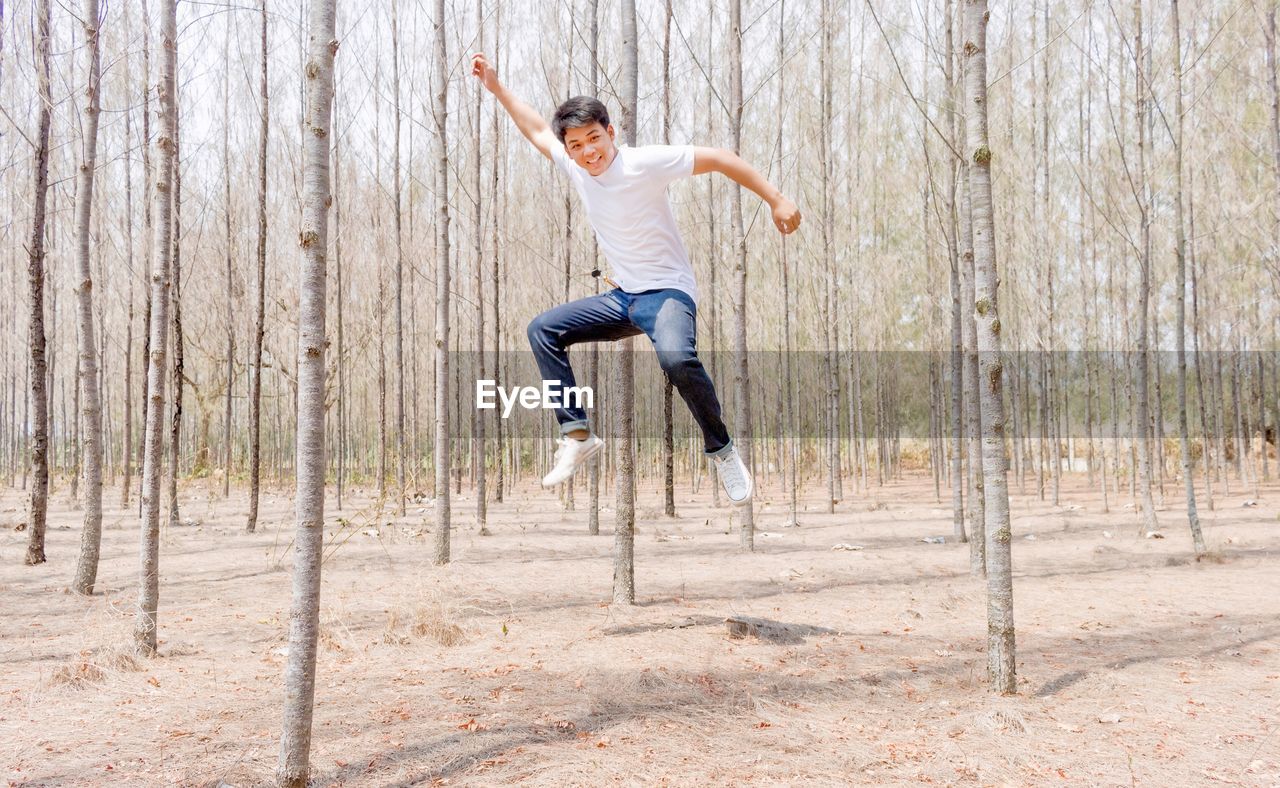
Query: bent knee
x=538 y=331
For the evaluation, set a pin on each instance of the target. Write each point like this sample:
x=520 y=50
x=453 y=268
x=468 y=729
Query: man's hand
x=532 y=125
x=786 y=216
x=487 y=75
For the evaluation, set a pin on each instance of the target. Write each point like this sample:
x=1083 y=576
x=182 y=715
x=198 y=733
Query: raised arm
x=532 y=125
x=786 y=216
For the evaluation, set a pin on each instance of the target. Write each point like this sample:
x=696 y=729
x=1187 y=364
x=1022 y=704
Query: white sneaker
x=569 y=456
x=734 y=477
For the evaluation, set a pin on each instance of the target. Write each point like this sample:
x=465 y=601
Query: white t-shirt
x=628 y=208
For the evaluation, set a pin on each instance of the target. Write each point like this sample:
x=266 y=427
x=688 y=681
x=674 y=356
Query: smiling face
x=591 y=147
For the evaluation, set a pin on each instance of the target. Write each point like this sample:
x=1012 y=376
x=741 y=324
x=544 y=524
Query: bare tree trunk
x=396 y=217
x=1203 y=399
x=741 y=377
x=444 y=452
x=35 y=275
x=1000 y=632
x=975 y=478
x=1184 y=440
x=260 y=294
x=788 y=403
x=1141 y=374
x=624 y=579
x=593 y=357
x=148 y=231
x=175 y=295
x=957 y=314
x=830 y=430
x=126 y=454
x=304 y=614
x=495 y=134
x=481 y=480
x=340 y=297
x=668 y=437
x=226 y=216
x=91 y=536
x=145 y=625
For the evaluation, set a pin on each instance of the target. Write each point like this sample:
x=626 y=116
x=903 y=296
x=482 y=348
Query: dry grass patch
x=93 y=666
x=432 y=620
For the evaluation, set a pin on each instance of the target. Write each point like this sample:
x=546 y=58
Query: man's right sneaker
x=569 y=456
x=734 y=477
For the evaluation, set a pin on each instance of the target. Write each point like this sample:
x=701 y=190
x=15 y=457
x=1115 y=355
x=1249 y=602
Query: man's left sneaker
x=569 y=456
x=734 y=477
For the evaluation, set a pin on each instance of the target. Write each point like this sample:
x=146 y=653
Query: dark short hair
x=577 y=112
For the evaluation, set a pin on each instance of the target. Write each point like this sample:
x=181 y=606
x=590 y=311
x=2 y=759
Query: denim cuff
x=572 y=426
x=722 y=451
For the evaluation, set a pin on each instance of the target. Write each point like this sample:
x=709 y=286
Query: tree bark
x=39 y=509
x=396 y=179
x=304 y=614
x=126 y=453
x=624 y=582
x=957 y=314
x=340 y=297
x=1141 y=373
x=1184 y=439
x=444 y=452
x=495 y=136
x=145 y=624
x=175 y=295
x=741 y=375
x=1000 y=632
x=593 y=357
x=975 y=478
x=91 y=536
x=668 y=437
x=226 y=217
x=260 y=294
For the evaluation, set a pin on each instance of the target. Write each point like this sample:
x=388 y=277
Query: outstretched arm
x=532 y=125
x=785 y=214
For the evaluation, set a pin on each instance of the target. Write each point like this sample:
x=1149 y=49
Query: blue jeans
x=668 y=317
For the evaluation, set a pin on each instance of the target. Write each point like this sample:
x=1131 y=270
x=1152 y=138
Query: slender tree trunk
x=1184 y=440
x=148 y=231
x=1202 y=399
x=830 y=431
x=91 y=536
x=973 y=406
x=668 y=437
x=481 y=480
x=952 y=230
x=340 y=298
x=145 y=625
x=624 y=580
x=226 y=218
x=304 y=614
x=495 y=136
x=593 y=357
x=175 y=296
x=788 y=404
x=36 y=274
x=260 y=293
x=1000 y=632
x=444 y=452
x=126 y=454
x=741 y=376
x=396 y=217
x=1141 y=373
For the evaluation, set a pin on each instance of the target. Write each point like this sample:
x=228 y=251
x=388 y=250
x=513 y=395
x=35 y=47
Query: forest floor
x=1136 y=663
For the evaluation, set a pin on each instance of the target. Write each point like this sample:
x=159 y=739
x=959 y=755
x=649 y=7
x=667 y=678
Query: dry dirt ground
x=1137 y=664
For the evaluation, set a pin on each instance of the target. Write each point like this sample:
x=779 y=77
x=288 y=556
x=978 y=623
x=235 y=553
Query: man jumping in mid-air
x=624 y=191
